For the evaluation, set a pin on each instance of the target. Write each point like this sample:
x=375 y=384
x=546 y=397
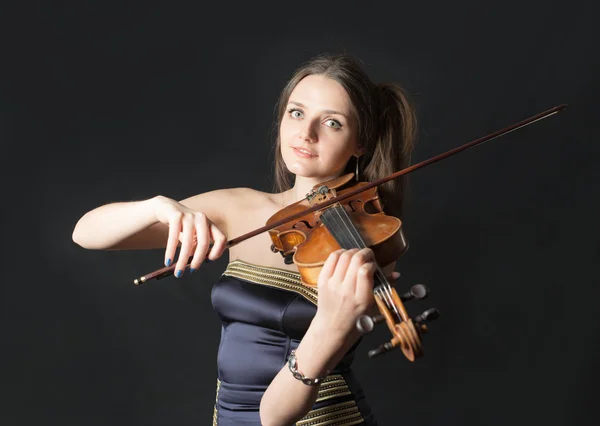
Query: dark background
x=117 y=101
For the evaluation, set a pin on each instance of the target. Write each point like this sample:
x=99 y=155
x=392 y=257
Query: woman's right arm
x=121 y=226
x=158 y=222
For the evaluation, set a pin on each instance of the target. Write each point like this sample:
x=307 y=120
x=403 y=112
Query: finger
x=359 y=258
x=364 y=283
x=173 y=239
x=202 y=240
x=187 y=240
x=219 y=242
x=342 y=265
x=329 y=267
x=395 y=275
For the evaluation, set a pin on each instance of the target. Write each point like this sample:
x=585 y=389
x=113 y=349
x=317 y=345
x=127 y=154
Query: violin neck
x=340 y=226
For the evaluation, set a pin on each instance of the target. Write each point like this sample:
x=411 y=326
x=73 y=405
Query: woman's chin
x=304 y=172
x=300 y=170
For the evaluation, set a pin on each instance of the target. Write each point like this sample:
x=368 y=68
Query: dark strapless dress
x=265 y=312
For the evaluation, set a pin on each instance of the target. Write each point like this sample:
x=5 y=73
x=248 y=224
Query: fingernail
x=179 y=272
x=168 y=262
x=207 y=260
x=192 y=270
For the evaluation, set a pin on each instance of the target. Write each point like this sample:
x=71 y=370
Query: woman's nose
x=308 y=132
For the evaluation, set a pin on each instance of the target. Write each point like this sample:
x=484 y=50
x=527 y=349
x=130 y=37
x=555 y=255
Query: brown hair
x=387 y=125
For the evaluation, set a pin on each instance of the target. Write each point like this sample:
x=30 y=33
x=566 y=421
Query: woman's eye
x=334 y=124
x=296 y=113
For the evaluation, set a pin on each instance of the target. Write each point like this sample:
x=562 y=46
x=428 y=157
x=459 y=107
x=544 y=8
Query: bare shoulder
x=228 y=197
x=249 y=200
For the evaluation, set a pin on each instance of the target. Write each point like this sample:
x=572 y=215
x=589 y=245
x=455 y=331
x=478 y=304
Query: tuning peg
x=417 y=291
x=386 y=347
x=366 y=324
x=428 y=315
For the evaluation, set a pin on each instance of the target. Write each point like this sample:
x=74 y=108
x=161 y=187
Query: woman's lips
x=304 y=153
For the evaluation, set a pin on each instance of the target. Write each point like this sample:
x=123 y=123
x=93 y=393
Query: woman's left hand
x=345 y=288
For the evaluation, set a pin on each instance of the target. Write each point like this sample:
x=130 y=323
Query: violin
x=356 y=223
x=340 y=215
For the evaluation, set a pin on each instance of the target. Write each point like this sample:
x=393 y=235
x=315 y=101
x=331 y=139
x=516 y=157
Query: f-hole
x=351 y=205
x=304 y=222
x=370 y=207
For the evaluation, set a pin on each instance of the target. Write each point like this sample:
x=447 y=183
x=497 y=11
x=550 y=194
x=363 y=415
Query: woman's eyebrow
x=327 y=111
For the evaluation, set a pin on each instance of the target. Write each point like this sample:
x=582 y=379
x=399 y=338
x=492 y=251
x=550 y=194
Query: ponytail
x=392 y=146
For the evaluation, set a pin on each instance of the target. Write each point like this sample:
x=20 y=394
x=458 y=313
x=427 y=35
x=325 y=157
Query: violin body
x=358 y=222
x=307 y=241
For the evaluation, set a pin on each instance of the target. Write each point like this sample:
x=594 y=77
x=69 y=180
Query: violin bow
x=168 y=270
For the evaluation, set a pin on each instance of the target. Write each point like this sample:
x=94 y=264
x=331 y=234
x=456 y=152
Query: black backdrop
x=114 y=101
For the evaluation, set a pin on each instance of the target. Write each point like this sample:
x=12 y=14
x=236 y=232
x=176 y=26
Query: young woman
x=332 y=121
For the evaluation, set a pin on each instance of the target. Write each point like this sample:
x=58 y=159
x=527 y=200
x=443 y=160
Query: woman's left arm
x=345 y=289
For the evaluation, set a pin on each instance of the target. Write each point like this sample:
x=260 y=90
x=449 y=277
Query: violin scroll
x=407 y=332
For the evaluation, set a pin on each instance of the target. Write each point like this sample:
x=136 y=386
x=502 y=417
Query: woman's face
x=318 y=132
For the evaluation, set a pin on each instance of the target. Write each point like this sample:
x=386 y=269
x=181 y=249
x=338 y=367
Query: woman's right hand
x=193 y=229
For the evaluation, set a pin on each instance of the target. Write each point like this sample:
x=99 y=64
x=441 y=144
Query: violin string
x=383 y=289
x=355 y=235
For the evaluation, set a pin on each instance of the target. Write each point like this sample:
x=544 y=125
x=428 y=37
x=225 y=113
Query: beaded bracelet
x=293 y=364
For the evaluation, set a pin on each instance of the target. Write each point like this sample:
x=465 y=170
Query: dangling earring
x=356 y=173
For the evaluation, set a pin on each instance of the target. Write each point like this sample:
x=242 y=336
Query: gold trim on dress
x=333 y=386
x=342 y=414
x=272 y=277
x=216 y=402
